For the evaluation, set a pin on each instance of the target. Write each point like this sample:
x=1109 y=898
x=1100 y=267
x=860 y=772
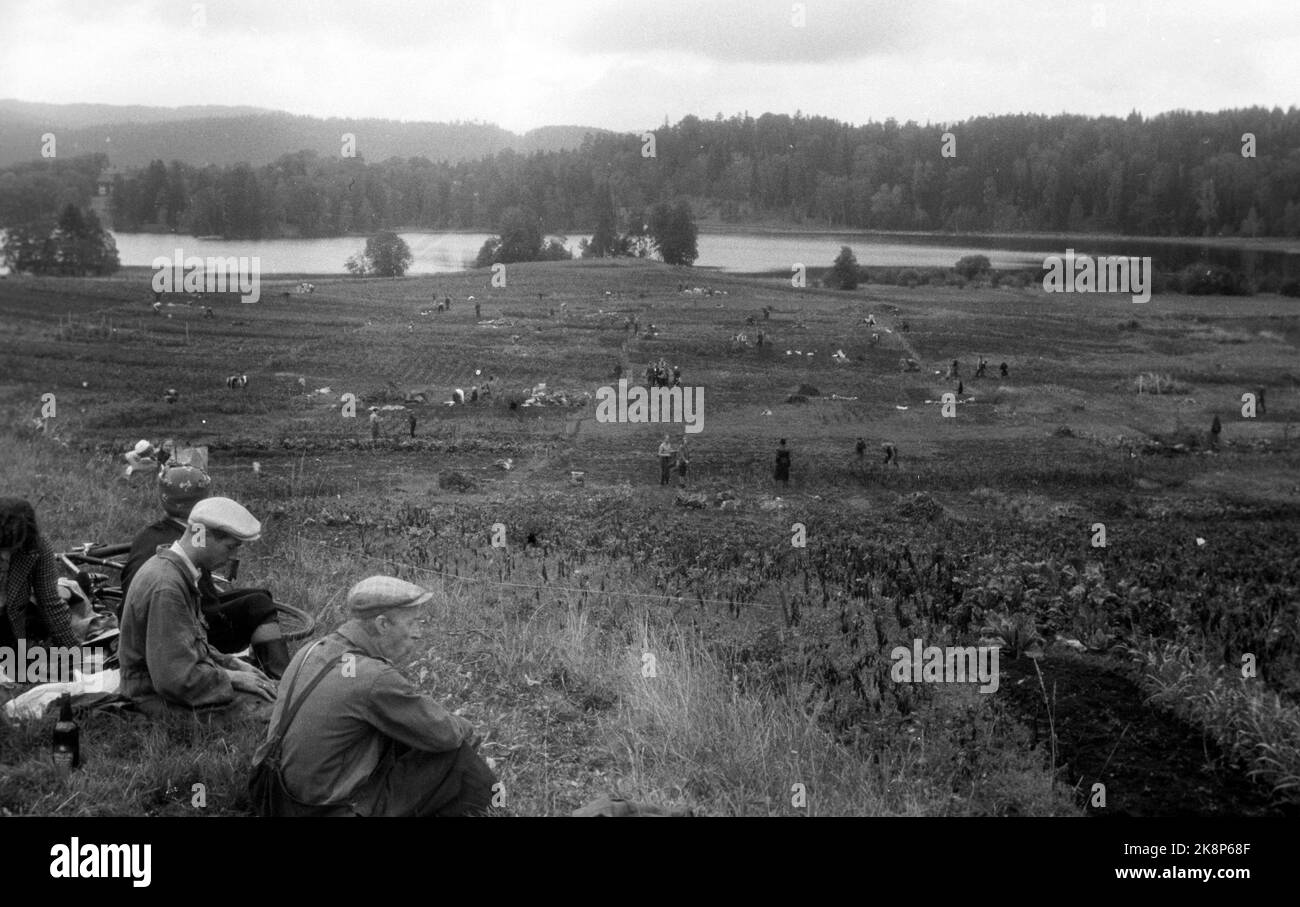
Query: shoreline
x=1277 y=244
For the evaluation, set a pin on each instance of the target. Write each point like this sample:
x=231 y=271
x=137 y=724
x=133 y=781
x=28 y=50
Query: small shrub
x=972 y=266
x=456 y=481
x=1213 y=280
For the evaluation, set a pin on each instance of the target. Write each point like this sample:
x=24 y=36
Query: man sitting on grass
x=236 y=618
x=364 y=739
x=167 y=661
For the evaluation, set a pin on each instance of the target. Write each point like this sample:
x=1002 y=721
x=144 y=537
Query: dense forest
x=1176 y=174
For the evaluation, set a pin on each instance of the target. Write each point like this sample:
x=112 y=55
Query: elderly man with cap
x=236 y=618
x=360 y=738
x=164 y=650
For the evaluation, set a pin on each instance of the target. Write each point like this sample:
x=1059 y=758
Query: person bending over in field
x=236 y=618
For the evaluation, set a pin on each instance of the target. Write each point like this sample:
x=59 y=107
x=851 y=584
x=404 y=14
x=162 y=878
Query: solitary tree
x=972 y=266
x=605 y=241
x=844 y=272
x=520 y=240
x=386 y=255
x=674 y=233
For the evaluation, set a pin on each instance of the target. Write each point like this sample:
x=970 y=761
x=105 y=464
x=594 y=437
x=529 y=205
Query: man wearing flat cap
x=237 y=618
x=164 y=651
x=362 y=739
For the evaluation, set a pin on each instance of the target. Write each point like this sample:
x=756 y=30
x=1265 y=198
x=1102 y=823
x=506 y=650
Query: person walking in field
x=1216 y=428
x=478 y=311
x=374 y=424
x=861 y=449
x=666 y=454
x=410 y=421
x=891 y=453
x=1003 y=368
x=782 y=473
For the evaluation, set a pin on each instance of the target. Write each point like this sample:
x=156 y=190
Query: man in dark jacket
x=365 y=740
x=782 y=472
x=166 y=658
x=236 y=618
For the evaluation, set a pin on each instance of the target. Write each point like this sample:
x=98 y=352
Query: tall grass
x=555 y=678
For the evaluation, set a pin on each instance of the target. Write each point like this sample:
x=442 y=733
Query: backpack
x=267 y=791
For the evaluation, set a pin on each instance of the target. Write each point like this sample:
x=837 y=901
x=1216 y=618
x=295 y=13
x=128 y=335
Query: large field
x=1120 y=665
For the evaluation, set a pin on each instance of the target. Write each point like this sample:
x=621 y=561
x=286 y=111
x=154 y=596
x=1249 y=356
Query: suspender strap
x=291 y=708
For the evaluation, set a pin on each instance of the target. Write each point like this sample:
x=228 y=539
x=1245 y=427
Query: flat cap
x=382 y=593
x=227 y=516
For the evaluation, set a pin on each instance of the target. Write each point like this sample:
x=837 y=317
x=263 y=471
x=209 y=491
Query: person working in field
x=28 y=573
x=141 y=459
x=167 y=659
x=236 y=618
x=666 y=456
x=358 y=737
x=683 y=461
x=782 y=472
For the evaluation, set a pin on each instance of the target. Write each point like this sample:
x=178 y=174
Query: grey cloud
x=757 y=31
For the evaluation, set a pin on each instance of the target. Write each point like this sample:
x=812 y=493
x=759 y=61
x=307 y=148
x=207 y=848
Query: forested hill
x=1176 y=174
x=134 y=136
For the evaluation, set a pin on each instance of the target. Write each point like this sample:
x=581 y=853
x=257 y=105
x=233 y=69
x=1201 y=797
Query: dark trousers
x=665 y=469
x=234 y=616
x=415 y=783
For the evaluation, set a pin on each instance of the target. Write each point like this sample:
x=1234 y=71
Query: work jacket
x=164 y=649
x=348 y=723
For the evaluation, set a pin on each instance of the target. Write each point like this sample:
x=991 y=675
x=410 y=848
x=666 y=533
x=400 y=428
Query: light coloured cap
x=375 y=594
x=227 y=516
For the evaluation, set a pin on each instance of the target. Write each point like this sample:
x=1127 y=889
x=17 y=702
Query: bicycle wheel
x=295 y=623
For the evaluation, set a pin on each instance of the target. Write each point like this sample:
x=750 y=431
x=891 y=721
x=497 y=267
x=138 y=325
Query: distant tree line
x=1176 y=174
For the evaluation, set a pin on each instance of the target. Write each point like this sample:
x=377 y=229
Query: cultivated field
x=1121 y=665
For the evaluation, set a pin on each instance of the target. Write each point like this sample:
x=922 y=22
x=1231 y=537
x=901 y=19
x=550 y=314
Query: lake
x=734 y=251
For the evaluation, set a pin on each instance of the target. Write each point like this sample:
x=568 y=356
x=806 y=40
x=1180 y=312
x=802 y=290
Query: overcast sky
x=628 y=64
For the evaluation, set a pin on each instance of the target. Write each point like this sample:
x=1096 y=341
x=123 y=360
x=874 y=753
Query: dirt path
x=1152 y=763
